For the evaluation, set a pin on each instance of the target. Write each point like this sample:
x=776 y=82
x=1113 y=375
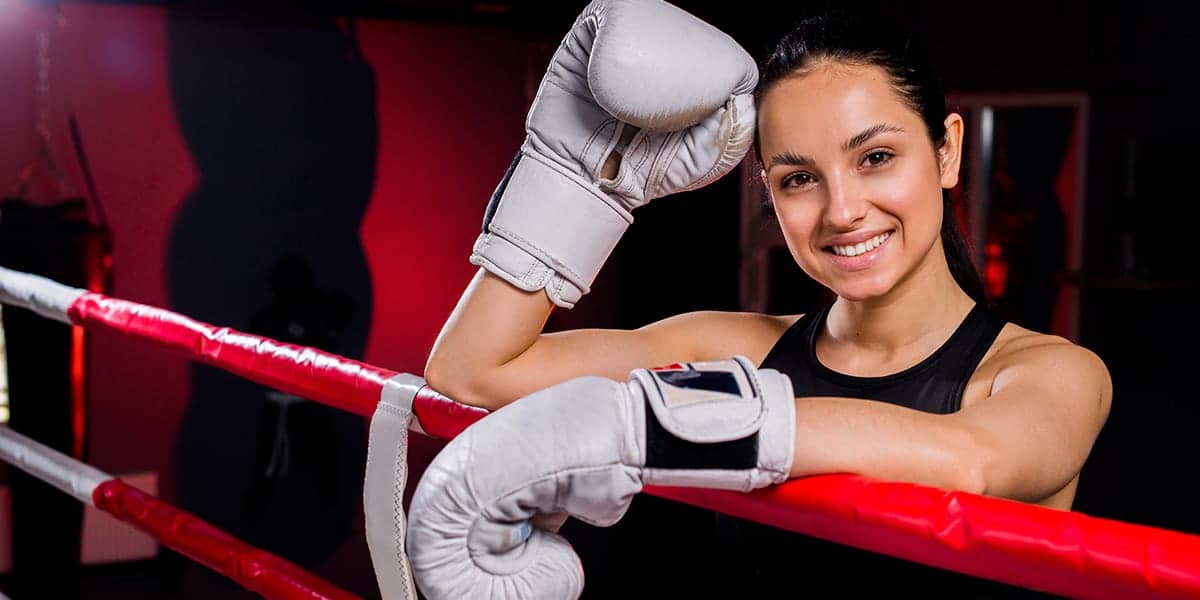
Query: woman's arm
x=491 y=350
x=1026 y=440
x=1036 y=429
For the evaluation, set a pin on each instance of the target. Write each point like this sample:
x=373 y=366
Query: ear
x=762 y=179
x=950 y=154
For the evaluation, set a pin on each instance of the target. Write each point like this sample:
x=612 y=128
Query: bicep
x=1036 y=429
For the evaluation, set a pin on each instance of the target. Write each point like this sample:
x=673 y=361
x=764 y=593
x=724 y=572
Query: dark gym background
x=262 y=165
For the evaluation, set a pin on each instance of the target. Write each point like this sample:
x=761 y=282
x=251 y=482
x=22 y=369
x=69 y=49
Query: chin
x=857 y=296
x=861 y=289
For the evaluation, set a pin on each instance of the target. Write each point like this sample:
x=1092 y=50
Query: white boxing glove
x=669 y=93
x=585 y=447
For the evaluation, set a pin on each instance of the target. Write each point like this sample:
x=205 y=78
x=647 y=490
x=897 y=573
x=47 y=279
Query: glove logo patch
x=702 y=415
x=712 y=381
x=684 y=384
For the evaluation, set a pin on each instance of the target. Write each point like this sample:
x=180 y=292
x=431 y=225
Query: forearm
x=491 y=350
x=884 y=441
x=492 y=324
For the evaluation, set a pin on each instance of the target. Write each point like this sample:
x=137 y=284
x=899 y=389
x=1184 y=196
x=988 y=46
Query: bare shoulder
x=1038 y=410
x=715 y=335
x=1021 y=353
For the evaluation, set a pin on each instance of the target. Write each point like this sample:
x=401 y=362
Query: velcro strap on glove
x=721 y=424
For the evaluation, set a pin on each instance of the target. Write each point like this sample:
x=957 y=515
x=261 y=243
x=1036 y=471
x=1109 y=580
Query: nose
x=847 y=203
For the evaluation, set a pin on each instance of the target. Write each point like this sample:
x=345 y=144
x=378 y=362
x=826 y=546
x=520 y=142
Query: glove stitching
x=595 y=135
x=569 y=91
x=516 y=279
x=501 y=273
x=540 y=279
x=518 y=237
x=658 y=170
x=557 y=296
x=557 y=284
x=529 y=272
x=587 y=146
x=643 y=156
x=728 y=141
x=752 y=376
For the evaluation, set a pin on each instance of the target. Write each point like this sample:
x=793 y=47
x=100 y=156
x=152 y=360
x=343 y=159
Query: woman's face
x=854 y=179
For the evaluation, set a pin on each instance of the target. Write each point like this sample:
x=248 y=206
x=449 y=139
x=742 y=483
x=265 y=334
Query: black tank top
x=774 y=563
x=934 y=385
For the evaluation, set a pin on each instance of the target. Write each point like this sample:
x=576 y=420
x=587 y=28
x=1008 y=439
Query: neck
x=924 y=307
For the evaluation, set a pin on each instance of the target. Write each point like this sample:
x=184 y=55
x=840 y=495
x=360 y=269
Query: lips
x=860 y=247
x=858 y=252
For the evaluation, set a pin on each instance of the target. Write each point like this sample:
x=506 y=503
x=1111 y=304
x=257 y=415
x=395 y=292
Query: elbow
x=459 y=383
x=972 y=478
x=437 y=370
x=962 y=460
x=972 y=469
x=437 y=379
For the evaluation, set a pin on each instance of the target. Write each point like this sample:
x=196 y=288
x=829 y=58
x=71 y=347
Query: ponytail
x=958 y=254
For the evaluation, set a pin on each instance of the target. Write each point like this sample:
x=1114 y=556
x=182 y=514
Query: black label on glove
x=665 y=451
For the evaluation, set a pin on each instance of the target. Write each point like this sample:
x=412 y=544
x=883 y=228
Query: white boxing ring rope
x=1059 y=552
x=254 y=569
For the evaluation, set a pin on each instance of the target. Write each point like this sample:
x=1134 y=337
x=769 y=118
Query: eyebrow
x=800 y=160
x=869 y=133
x=790 y=159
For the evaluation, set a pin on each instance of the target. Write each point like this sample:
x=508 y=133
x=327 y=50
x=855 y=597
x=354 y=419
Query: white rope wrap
x=55 y=468
x=383 y=486
x=43 y=296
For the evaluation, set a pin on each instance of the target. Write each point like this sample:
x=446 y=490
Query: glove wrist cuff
x=721 y=424
x=550 y=222
x=522 y=270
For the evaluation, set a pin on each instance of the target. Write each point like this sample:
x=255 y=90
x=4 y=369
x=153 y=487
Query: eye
x=797 y=180
x=877 y=158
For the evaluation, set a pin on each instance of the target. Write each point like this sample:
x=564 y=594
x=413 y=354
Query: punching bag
x=47 y=369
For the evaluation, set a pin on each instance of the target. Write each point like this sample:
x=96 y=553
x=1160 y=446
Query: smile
x=861 y=247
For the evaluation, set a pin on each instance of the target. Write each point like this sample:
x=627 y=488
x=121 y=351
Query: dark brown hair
x=865 y=41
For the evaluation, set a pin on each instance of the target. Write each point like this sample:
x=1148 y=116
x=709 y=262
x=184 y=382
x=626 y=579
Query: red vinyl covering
x=1061 y=552
x=442 y=417
x=306 y=372
x=254 y=569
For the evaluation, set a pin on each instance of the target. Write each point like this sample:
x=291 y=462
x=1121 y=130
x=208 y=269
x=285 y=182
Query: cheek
x=797 y=220
x=798 y=224
x=914 y=196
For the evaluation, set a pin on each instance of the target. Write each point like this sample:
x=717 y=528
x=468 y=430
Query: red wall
x=450 y=122
x=450 y=106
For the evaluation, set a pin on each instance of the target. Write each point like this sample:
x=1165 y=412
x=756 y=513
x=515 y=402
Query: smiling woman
x=859 y=155
x=905 y=376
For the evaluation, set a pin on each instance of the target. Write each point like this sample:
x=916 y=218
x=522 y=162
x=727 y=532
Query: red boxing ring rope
x=1060 y=552
x=306 y=372
x=256 y=570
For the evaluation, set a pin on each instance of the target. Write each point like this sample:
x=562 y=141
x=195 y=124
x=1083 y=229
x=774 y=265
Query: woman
x=906 y=376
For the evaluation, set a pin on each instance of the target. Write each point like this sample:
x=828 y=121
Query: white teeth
x=861 y=247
